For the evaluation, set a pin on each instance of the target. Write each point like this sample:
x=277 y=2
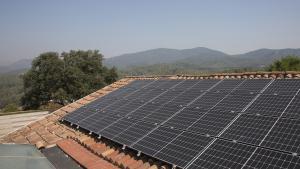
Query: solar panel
x=144 y=110
x=223 y=154
x=162 y=114
x=271 y=105
x=202 y=123
x=249 y=129
x=253 y=85
x=204 y=85
x=94 y=125
x=285 y=136
x=187 y=96
x=134 y=133
x=183 y=148
x=234 y=103
x=116 y=128
x=293 y=110
x=166 y=97
x=212 y=123
x=284 y=87
x=185 y=118
x=186 y=84
x=269 y=159
x=208 y=100
x=156 y=140
x=228 y=85
x=108 y=100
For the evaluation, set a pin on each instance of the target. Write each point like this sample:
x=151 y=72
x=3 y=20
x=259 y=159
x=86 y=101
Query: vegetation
x=56 y=79
x=179 y=68
x=289 y=63
x=64 y=78
x=10 y=89
x=12 y=107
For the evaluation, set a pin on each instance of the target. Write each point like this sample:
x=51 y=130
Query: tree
x=12 y=107
x=65 y=78
x=288 y=63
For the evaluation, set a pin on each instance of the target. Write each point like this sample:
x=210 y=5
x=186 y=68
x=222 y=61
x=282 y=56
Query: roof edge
x=246 y=75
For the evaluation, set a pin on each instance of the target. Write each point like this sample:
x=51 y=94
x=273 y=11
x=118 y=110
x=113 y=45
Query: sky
x=30 y=27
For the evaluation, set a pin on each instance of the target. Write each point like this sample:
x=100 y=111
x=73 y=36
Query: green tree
x=12 y=107
x=65 y=78
x=288 y=63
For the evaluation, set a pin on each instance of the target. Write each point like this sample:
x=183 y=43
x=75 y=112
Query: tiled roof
x=49 y=131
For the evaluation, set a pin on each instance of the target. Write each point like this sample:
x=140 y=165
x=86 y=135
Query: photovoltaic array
x=231 y=123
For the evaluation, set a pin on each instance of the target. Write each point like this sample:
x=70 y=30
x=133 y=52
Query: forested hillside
x=10 y=88
x=168 y=61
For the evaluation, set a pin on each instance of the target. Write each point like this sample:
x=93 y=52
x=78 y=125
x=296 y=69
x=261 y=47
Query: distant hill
x=17 y=66
x=162 y=55
x=201 y=58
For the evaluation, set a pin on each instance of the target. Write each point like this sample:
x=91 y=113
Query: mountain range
x=200 y=58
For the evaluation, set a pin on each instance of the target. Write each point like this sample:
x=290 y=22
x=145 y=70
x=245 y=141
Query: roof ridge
x=260 y=74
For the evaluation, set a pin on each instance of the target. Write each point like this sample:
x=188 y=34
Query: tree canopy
x=288 y=63
x=65 y=78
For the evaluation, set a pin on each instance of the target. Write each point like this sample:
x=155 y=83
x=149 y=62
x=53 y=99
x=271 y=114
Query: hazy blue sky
x=28 y=27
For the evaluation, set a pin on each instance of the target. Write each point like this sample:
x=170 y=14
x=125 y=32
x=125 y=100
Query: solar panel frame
x=284 y=136
x=234 y=103
x=269 y=159
x=117 y=128
x=183 y=148
x=212 y=123
x=250 y=129
x=228 y=85
x=156 y=140
x=223 y=154
x=284 y=87
x=270 y=105
x=185 y=118
x=133 y=133
x=208 y=100
x=293 y=110
x=253 y=85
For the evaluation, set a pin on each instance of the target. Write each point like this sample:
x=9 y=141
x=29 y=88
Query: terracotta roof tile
x=137 y=164
x=123 y=159
x=60 y=113
x=129 y=163
x=144 y=166
x=118 y=157
x=98 y=148
x=68 y=109
x=107 y=153
x=153 y=167
x=33 y=138
x=83 y=156
x=113 y=155
x=20 y=140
